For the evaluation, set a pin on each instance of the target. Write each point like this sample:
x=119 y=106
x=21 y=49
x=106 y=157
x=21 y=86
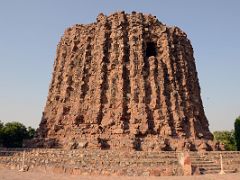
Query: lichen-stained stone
x=126 y=81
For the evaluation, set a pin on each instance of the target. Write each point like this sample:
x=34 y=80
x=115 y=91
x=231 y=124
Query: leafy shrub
x=227 y=138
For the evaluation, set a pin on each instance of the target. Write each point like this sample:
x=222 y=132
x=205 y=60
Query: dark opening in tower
x=151 y=49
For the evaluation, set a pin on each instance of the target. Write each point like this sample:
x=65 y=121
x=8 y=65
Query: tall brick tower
x=126 y=81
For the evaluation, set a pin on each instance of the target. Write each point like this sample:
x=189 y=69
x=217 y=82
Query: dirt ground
x=6 y=174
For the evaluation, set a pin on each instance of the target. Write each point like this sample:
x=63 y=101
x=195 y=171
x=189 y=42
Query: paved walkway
x=6 y=174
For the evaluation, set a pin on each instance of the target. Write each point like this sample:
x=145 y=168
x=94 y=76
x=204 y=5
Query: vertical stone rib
x=172 y=83
x=103 y=64
x=158 y=100
x=167 y=85
x=178 y=114
x=181 y=82
x=155 y=100
x=86 y=70
x=107 y=109
x=82 y=74
x=139 y=119
x=163 y=93
x=124 y=60
x=134 y=99
x=62 y=62
x=167 y=92
x=97 y=90
x=69 y=83
x=115 y=77
x=146 y=75
x=89 y=86
x=153 y=103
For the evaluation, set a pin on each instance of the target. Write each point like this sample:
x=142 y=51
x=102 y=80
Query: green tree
x=237 y=132
x=31 y=132
x=227 y=138
x=1 y=124
x=13 y=134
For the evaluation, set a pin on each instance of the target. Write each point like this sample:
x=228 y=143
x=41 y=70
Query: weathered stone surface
x=126 y=81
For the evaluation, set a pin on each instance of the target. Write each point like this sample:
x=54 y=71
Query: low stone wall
x=95 y=162
x=108 y=162
x=231 y=159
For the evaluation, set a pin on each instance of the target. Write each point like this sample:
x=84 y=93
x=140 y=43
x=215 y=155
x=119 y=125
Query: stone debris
x=126 y=81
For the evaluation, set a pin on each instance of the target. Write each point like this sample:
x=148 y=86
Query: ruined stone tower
x=126 y=81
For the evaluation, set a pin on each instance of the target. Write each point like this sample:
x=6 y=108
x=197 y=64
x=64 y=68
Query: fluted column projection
x=126 y=75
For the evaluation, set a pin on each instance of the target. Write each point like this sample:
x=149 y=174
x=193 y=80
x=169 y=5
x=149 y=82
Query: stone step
x=90 y=158
x=205 y=165
x=198 y=158
x=218 y=171
x=210 y=168
x=203 y=162
x=146 y=162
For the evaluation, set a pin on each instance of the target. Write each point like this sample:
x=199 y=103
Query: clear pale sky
x=31 y=29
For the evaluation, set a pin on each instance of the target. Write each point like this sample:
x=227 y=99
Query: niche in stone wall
x=151 y=49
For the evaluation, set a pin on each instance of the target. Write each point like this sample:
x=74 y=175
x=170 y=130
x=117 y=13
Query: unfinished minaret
x=126 y=81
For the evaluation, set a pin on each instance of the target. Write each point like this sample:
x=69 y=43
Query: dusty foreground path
x=6 y=174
